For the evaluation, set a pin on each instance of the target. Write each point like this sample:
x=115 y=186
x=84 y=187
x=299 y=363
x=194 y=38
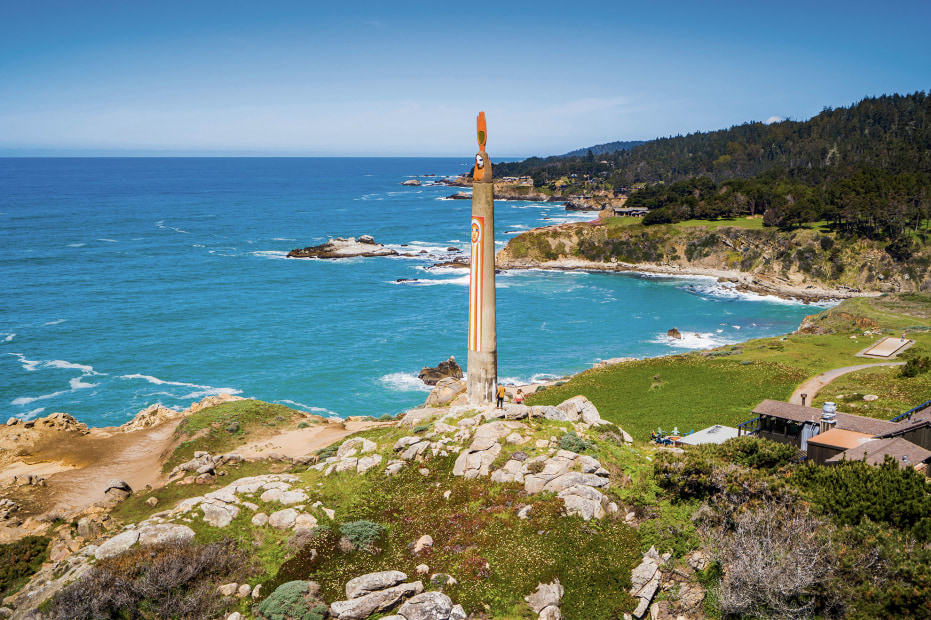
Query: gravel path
x=818 y=382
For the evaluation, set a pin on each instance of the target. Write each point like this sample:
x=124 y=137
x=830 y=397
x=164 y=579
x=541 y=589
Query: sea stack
x=482 y=366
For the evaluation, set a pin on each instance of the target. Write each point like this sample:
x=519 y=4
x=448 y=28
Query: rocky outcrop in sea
x=344 y=248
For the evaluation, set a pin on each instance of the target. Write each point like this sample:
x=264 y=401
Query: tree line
x=864 y=169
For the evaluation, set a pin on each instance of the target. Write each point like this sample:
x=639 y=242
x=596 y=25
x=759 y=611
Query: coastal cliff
x=805 y=264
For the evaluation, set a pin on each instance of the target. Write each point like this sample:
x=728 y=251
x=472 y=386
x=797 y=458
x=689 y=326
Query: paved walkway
x=817 y=383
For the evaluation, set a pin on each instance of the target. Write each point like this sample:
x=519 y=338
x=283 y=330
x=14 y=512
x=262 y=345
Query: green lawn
x=690 y=392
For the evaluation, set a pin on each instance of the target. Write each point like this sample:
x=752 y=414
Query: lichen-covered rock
x=372 y=582
x=546 y=594
x=364 y=606
x=427 y=606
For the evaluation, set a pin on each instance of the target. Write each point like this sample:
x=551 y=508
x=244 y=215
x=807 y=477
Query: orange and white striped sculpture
x=482 y=366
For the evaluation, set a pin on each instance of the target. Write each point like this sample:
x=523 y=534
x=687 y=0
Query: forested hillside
x=866 y=170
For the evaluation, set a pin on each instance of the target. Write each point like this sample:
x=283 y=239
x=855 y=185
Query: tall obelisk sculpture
x=482 y=365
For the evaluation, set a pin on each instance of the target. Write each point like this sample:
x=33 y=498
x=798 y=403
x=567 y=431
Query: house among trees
x=829 y=436
x=630 y=212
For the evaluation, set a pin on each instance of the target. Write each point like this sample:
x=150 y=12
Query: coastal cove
x=136 y=281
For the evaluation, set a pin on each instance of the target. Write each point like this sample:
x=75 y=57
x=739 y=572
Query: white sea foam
x=7 y=336
x=76 y=245
x=25 y=400
x=109 y=240
x=55 y=322
x=272 y=254
x=693 y=340
x=29 y=365
x=77 y=384
x=404 y=382
x=461 y=280
x=70 y=366
x=283 y=239
x=31 y=414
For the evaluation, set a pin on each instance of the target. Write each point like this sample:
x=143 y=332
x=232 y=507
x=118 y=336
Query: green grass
x=687 y=391
x=737 y=222
x=221 y=428
x=496 y=557
x=896 y=394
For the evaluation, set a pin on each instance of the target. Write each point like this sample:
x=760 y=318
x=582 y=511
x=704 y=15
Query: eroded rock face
x=147 y=534
x=445 y=391
x=344 y=248
x=443 y=370
x=546 y=595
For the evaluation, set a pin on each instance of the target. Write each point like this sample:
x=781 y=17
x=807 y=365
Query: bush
x=171 y=580
x=775 y=561
x=572 y=442
x=21 y=559
x=915 y=367
x=757 y=453
x=854 y=490
x=386 y=418
x=325 y=453
x=362 y=534
x=421 y=428
x=295 y=600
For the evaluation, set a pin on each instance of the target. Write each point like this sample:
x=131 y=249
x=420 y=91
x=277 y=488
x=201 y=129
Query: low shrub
x=421 y=428
x=386 y=418
x=295 y=600
x=171 y=580
x=572 y=442
x=325 y=453
x=362 y=534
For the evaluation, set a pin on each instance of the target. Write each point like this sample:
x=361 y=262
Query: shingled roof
x=874 y=452
x=845 y=421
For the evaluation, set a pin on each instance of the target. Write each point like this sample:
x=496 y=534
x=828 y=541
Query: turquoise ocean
x=130 y=281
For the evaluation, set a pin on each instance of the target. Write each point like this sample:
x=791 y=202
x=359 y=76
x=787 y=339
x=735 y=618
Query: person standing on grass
x=500 y=396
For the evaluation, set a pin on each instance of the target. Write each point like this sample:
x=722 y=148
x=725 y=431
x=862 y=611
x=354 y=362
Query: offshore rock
x=449 y=368
x=344 y=248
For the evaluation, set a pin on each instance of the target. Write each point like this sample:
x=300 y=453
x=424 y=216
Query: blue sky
x=408 y=78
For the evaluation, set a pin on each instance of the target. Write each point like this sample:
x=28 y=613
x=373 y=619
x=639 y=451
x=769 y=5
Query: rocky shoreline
x=344 y=248
x=742 y=281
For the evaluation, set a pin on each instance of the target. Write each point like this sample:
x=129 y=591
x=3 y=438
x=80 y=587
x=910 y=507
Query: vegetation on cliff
x=865 y=170
x=803 y=256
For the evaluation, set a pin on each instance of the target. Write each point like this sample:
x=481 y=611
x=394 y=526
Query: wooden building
x=829 y=438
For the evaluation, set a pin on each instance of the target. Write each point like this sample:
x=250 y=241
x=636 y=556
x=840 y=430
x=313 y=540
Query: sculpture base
x=481 y=377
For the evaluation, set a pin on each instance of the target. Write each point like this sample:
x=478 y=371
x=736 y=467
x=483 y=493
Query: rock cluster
x=56 y=421
x=202 y=469
x=346 y=458
x=656 y=572
x=156 y=414
x=344 y=248
x=377 y=592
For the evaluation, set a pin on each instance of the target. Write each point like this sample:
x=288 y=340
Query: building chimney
x=804 y=396
x=828 y=416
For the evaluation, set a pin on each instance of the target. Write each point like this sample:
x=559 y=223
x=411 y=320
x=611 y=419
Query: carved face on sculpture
x=479 y=162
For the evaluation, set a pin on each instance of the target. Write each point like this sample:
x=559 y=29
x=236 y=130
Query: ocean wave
x=76 y=245
x=7 y=336
x=55 y=322
x=307 y=408
x=404 y=382
x=693 y=340
x=201 y=391
x=109 y=240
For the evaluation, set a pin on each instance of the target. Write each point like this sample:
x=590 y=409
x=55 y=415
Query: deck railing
x=745 y=427
x=910 y=411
